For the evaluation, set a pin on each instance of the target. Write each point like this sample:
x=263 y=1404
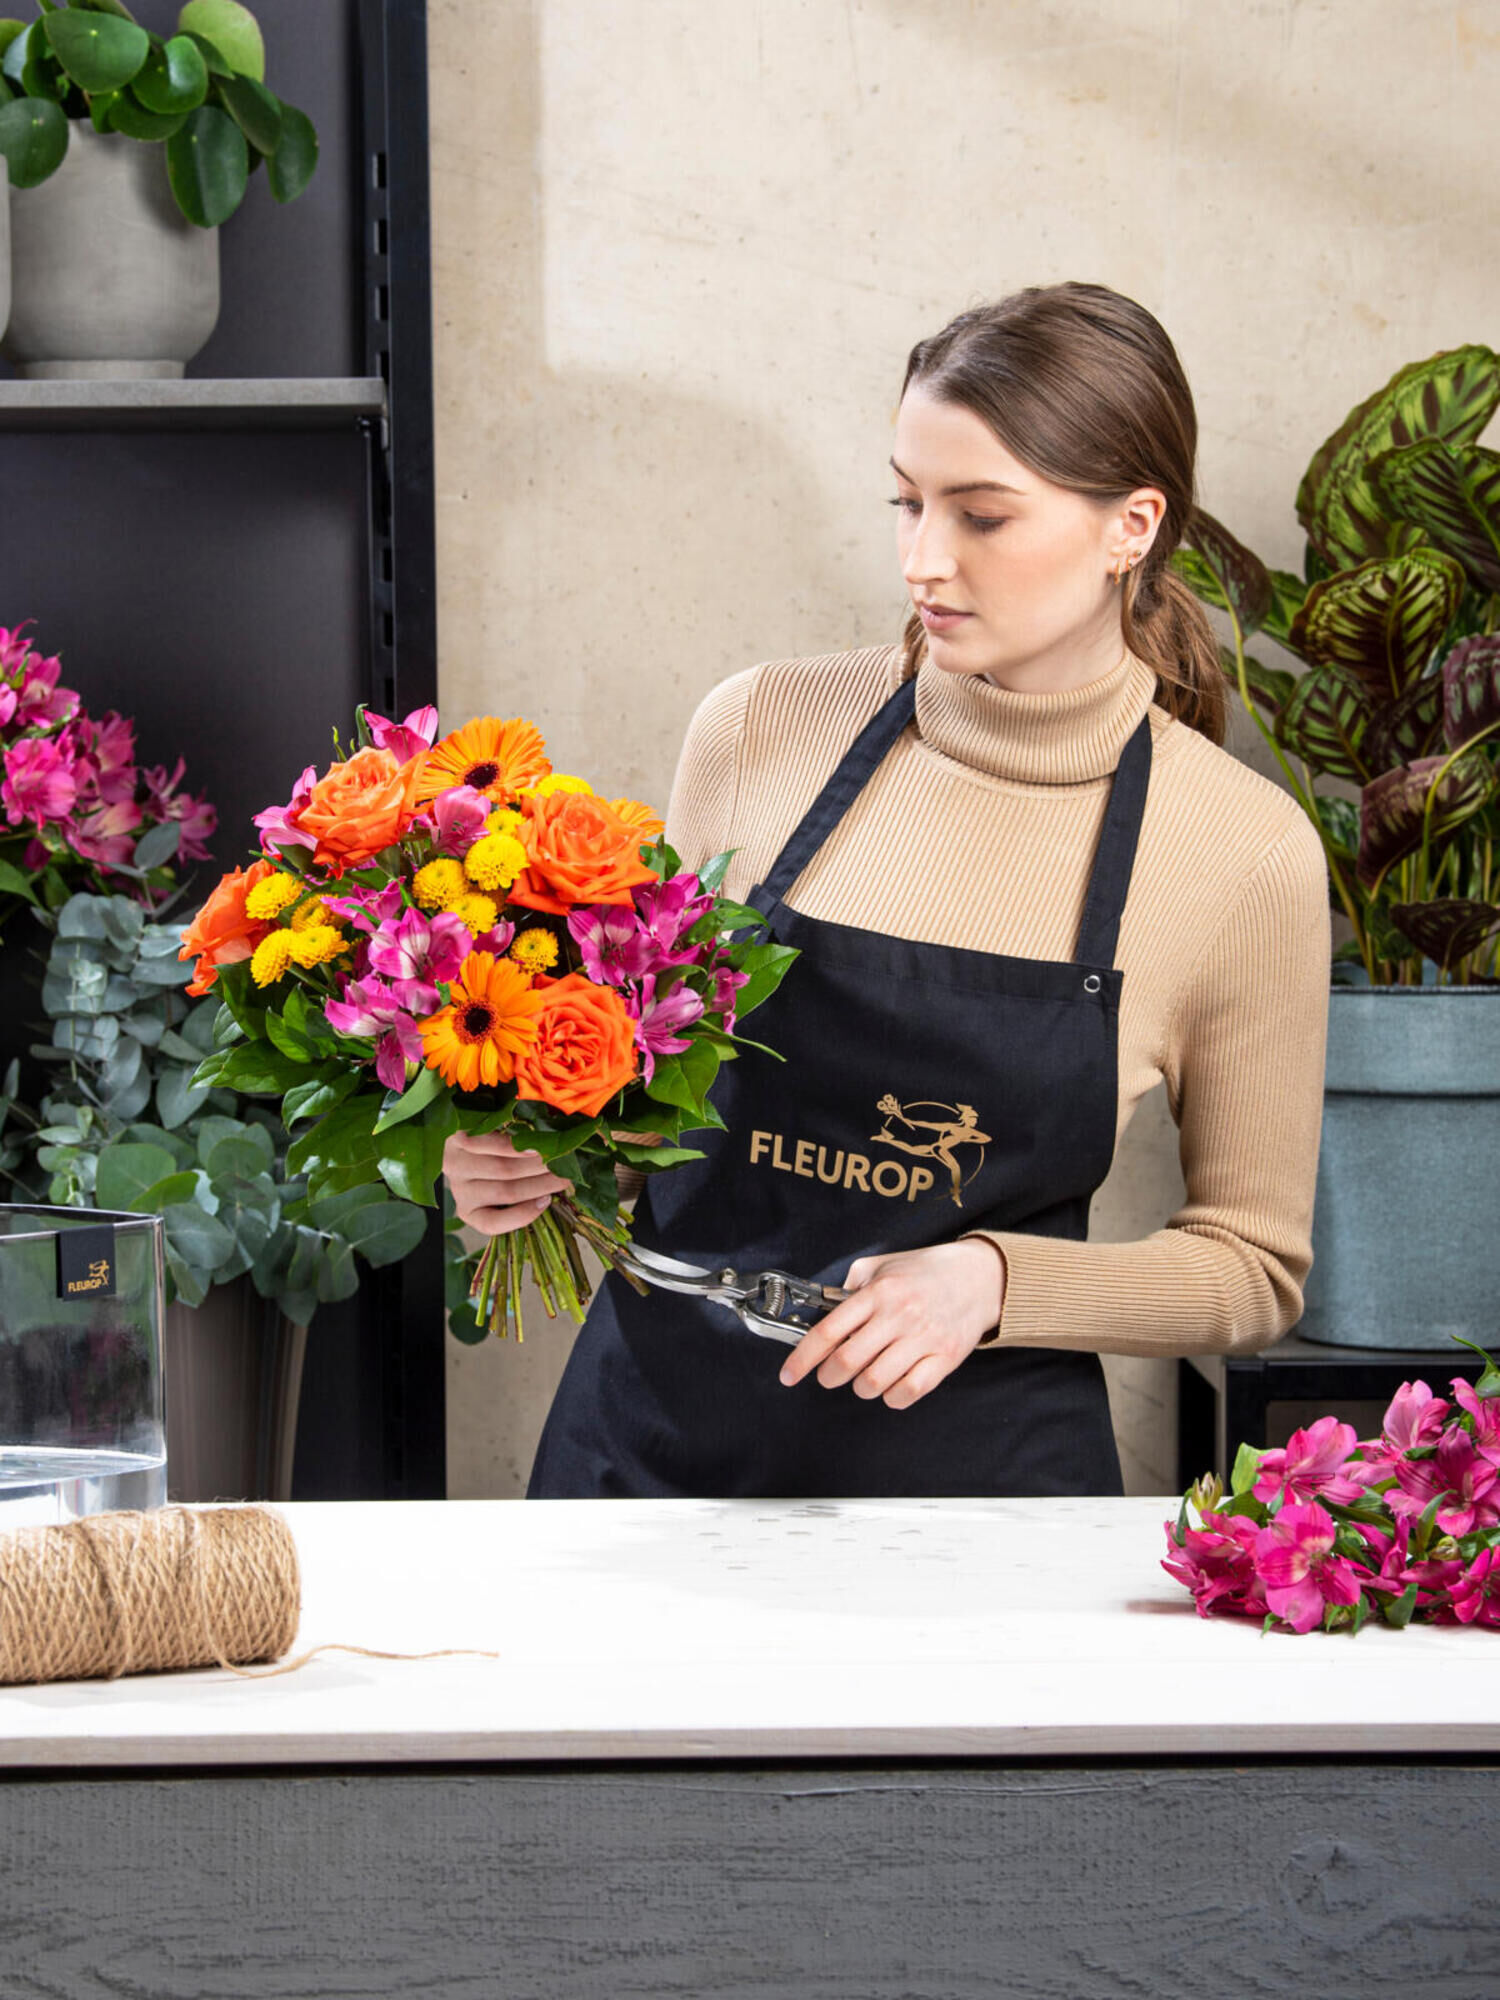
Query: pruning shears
x=771 y=1303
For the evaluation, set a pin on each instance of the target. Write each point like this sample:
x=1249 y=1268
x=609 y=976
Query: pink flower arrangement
x=1330 y=1529
x=71 y=792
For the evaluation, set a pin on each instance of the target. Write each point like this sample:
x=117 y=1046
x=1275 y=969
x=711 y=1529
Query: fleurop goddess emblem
x=925 y=1130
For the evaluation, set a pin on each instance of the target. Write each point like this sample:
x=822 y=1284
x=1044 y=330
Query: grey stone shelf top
x=768 y=1628
x=189 y=403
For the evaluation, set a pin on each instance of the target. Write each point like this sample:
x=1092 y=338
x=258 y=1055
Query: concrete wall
x=682 y=247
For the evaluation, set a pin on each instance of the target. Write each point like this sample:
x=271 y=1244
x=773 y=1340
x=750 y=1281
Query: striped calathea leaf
x=1452 y=492
x=1392 y=808
x=1325 y=722
x=1471 y=688
x=1244 y=582
x=1379 y=622
x=1448 y=928
x=1450 y=396
x=1409 y=728
x=1271 y=687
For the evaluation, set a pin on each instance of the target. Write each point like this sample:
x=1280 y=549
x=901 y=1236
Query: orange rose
x=581 y=851
x=221 y=933
x=361 y=806
x=584 y=1049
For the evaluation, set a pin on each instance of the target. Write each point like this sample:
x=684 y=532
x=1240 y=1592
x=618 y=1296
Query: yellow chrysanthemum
x=476 y=913
x=271 y=957
x=438 y=884
x=558 y=781
x=316 y=945
x=535 y=950
x=504 y=819
x=268 y=899
x=495 y=861
x=314 y=914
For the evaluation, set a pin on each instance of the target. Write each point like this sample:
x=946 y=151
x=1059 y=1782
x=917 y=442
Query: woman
x=1026 y=883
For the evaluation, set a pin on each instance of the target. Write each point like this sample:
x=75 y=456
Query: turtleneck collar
x=1063 y=738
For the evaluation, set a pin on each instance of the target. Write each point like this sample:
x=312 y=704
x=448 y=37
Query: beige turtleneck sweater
x=978 y=829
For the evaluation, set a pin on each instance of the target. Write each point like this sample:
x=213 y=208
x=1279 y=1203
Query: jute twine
x=130 y=1592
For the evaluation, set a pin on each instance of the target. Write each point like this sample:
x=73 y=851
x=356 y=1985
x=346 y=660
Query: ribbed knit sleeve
x=1244 y=1072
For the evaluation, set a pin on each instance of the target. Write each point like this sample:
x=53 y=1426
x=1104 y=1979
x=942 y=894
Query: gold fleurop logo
x=925 y=1130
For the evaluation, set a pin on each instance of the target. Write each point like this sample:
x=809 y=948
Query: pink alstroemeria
x=369 y=1008
x=42 y=702
x=15 y=648
x=405 y=739
x=1298 y=1569
x=416 y=952
x=1311 y=1466
x=1485 y=1412
x=1475 y=1596
x=106 y=835
x=103 y=756
x=367 y=910
x=498 y=941
x=1460 y=1478
x=39 y=783
x=612 y=943
x=457 y=818
x=657 y=1022
x=9 y=700
x=193 y=813
x=721 y=999
x=278 y=824
x=668 y=910
x=1217 y=1563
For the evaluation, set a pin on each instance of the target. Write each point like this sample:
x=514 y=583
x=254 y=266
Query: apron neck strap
x=842 y=789
x=1114 y=857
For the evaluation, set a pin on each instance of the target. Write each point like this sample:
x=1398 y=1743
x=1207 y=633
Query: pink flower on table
x=1475 y=1596
x=1311 y=1466
x=405 y=739
x=415 y=952
x=1298 y=1569
x=1485 y=1412
x=370 y=1009
x=1217 y=1563
x=278 y=824
x=457 y=818
x=658 y=1022
x=39 y=784
x=1460 y=1477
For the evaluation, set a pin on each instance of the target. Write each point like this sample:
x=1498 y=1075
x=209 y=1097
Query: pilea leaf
x=208 y=165
x=98 y=51
x=173 y=78
x=1380 y=621
x=33 y=139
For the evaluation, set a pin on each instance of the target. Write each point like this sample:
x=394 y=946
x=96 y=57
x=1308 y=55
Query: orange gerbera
x=491 y=1017
x=648 y=824
x=496 y=758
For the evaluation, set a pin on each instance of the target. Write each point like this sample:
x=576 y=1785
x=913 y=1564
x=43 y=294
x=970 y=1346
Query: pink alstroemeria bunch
x=76 y=810
x=1329 y=1529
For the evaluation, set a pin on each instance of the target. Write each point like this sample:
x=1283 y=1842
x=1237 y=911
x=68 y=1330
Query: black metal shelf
x=190 y=403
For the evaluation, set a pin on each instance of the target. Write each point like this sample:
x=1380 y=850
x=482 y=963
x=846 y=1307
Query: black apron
x=926 y=1090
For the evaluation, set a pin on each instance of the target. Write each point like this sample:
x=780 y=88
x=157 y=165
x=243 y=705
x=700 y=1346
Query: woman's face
x=1027 y=563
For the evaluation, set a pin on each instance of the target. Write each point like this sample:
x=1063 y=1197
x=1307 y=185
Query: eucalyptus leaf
x=385 y=1231
x=127 y=1170
x=200 y=1239
x=178 y=1097
x=158 y=844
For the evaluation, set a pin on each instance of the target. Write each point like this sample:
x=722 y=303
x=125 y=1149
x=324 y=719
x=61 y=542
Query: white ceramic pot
x=108 y=277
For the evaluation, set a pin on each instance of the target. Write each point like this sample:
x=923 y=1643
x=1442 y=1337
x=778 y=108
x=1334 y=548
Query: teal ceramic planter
x=1406 y=1228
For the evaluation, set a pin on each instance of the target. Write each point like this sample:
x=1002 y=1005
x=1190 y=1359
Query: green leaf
x=295 y=160
x=158 y=844
x=1380 y=622
x=767 y=965
x=15 y=882
x=174 y=78
x=1271 y=687
x=126 y=1171
x=1488 y=1385
x=1409 y=728
x=1451 y=395
x=1398 y=1610
x=403 y=1104
x=293 y=1044
x=253 y=109
x=178 y=1097
x=208 y=166
x=247 y=1152
x=33 y=139
x=655 y=1156
x=98 y=51
x=1246 y=1468
x=410 y=1158
x=198 y=1238
x=712 y=873
x=1287 y=594
x=9 y=30
x=340 y=1151
x=325 y=1088
x=250 y=1210
x=386 y=1231
x=233 y=31
x=1243 y=580
x=464 y=1325
x=1453 y=493
x=257 y=1069
x=126 y=116
x=1325 y=721
x=172 y=1188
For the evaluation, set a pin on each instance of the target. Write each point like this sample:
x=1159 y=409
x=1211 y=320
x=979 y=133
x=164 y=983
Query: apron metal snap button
x=1092 y=983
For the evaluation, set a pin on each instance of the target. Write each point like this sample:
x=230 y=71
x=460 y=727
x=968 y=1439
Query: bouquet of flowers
x=446 y=936
x=1330 y=1529
x=77 y=810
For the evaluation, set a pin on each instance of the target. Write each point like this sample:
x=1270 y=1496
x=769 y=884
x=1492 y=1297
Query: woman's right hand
x=496 y=1188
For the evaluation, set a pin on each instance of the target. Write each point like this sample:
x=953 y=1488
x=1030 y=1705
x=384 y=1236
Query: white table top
x=763 y=1629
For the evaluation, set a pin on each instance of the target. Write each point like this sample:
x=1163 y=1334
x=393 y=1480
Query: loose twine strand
x=131 y=1592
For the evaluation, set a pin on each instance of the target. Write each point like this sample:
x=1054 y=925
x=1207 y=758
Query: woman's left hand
x=912 y=1318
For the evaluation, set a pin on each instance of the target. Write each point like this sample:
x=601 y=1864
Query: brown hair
x=1084 y=386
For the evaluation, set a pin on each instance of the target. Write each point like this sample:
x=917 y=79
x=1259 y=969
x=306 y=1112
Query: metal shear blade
x=772 y=1303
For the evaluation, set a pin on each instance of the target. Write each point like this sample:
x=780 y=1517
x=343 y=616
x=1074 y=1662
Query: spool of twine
x=132 y=1593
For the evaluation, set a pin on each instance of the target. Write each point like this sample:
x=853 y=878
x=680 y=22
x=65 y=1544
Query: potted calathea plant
x=1389 y=739
x=126 y=151
x=249 y=1257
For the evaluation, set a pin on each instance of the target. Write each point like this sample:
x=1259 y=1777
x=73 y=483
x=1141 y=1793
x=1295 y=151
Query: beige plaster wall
x=681 y=249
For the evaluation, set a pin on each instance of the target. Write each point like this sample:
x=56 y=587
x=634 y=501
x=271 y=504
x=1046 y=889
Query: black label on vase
x=86 y=1262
